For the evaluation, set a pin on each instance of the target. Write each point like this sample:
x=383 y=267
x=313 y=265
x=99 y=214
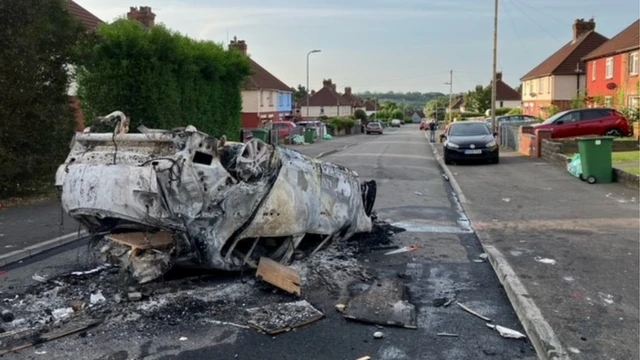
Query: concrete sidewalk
x=567 y=253
x=29 y=229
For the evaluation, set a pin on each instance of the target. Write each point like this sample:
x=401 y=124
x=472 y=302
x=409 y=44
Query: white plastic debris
x=378 y=334
x=39 y=278
x=62 y=313
x=473 y=312
x=88 y=272
x=483 y=256
x=97 y=298
x=183 y=338
x=506 y=199
x=40 y=352
x=545 y=260
x=507 y=333
x=418 y=193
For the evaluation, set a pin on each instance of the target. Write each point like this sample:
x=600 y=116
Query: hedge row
x=162 y=79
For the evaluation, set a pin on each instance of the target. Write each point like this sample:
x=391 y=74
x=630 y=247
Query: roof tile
x=90 y=21
x=626 y=40
x=263 y=79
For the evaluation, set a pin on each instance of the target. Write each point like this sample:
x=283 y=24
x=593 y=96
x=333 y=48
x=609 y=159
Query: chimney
x=313 y=92
x=239 y=44
x=581 y=27
x=347 y=90
x=499 y=76
x=333 y=87
x=327 y=83
x=143 y=15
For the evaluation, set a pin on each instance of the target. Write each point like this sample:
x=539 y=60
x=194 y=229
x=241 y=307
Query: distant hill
x=415 y=100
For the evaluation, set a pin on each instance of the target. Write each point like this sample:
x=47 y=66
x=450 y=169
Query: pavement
x=30 y=229
x=413 y=194
x=566 y=251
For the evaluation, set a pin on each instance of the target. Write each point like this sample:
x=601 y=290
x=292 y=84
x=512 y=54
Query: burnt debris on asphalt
x=159 y=198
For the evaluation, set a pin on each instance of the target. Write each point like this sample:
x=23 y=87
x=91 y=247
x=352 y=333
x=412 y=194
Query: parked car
x=583 y=122
x=515 y=118
x=395 y=123
x=373 y=127
x=424 y=125
x=470 y=140
x=283 y=128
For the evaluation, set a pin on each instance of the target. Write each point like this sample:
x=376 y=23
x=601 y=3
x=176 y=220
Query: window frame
x=633 y=62
x=608 y=101
x=608 y=68
x=593 y=70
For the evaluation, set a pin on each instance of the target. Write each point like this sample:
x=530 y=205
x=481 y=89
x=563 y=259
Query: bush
x=360 y=114
x=503 y=111
x=515 y=111
x=469 y=114
x=162 y=79
x=36 y=121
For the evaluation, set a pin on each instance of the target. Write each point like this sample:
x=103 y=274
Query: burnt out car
x=159 y=198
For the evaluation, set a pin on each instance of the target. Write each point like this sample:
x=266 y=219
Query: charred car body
x=161 y=197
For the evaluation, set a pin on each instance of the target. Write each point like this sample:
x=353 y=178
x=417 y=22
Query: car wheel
x=367 y=132
x=613 y=132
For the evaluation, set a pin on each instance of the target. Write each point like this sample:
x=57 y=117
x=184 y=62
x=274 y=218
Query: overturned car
x=163 y=197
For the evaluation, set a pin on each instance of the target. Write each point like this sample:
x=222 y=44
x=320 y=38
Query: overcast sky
x=382 y=45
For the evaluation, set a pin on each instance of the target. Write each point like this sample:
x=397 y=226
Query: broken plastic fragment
x=402 y=249
x=473 y=312
x=378 y=335
x=97 y=298
x=62 y=313
x=507 y=333
x=446 y=334
x=545 y=260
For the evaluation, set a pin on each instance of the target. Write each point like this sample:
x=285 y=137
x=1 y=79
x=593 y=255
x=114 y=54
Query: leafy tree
x=414 y=100
x=436 y=107
x=383 y=114
x=38 y=41
x=479 y=99
x=163 y=79
x=397 y=114
x=579 y=101
x=300 y=93
x=360 y=114
x=389 y=106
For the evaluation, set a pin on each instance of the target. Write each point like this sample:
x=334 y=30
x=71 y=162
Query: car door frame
x=566 y=128
x=591 y=126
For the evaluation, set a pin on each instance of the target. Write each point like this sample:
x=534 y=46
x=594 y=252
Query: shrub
x=360 y=114
x=503 y=111
x=163 y=79
x=515 y=111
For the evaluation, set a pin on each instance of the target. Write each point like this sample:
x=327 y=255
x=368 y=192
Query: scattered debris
x=402 y=250
x=218 y=322
x=440 y=302
x=53 y=335
x=378 y=335
x=96 y=298
x=445 y=177
x=183 y=338
x=134 y=296
x=506 y=332
x=387 y=247
x=170 y=197
x=278 y=275
x=446 y=334
x=473 y=312
x=364 y=358
x=92 y=271
x=277 y=318
x=449 y=302
x=383 y=303
x=483 y=256
x=506 y=199
x=545 y=260
x=62 y=313
x=39 y=278
x=418 y=193
x=77 y=305
x=341 y=307
x=7 y=316
x=478 y=260
x=37 y=352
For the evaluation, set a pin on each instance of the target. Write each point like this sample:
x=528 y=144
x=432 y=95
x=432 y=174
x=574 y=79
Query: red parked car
x=284 y=128
x=583 y=122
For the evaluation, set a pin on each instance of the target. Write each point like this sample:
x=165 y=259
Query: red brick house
x=560 y=78
x=326 y=102
x=91 y=23
x=264 y=97
x=612 y=70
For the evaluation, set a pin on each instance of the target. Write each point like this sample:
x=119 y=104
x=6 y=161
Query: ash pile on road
x=381 y=235
x=106 y=295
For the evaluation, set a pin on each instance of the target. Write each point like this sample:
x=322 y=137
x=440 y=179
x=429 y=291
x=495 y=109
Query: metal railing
x=510 y=134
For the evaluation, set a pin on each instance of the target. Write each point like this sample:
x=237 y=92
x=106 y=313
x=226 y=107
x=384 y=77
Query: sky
x=386 y=45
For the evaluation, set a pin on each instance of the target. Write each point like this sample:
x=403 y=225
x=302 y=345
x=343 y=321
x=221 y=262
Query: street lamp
x=450 y=83
x=309 y=92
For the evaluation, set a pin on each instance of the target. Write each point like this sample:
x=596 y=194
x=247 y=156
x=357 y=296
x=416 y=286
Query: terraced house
x=612 y=70
x=264 y=97
x=561 y=77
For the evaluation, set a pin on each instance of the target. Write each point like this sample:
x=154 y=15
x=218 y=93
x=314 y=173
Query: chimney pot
x=582 y=27
x=143 y=15
x=347 y=90
x=239 y=44
x=499 y=76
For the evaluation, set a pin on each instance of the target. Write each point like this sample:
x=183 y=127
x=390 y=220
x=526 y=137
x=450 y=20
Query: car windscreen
x=469 y=129
x=555 y=117
x=374 y=124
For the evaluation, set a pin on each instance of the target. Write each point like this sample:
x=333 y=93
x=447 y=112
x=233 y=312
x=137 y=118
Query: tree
x=580 y=100
x=478 y=100
x=38 y=40
x=397 y=114
x=389 y=106
x=360 y=114
x=437 y=107
x=300 y=93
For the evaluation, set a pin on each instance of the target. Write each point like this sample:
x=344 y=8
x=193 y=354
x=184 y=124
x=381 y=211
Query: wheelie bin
x=595 y=158
x=261 y=134
x=309 y=135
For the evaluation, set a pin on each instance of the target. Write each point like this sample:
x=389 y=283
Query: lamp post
x=450 y=83
x=309 y=92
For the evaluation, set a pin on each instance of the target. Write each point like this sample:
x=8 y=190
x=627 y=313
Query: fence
x=510 y=134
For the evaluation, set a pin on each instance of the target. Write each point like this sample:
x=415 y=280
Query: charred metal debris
x=159 y=198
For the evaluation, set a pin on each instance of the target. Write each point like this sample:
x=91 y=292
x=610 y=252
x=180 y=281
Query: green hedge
x=162 y=79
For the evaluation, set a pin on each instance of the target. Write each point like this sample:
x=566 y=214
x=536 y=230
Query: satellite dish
x=611 y=86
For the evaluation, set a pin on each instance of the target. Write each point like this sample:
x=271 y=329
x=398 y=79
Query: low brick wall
x=527 y=144
x=552 y=151
x=570 y=146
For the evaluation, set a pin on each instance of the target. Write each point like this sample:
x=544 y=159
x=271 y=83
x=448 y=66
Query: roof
x=420 y=113
x=262 y=79
x=505 y=92
x=626 y=40
x=353 y=99
x=371 y=105
x=90 y=21
x=327 y=97
x=457 y=103
x=563 y=61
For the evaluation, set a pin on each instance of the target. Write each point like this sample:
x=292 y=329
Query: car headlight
x=491 y=144
x=452 y=145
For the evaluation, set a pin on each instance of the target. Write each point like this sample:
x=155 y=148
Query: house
x=456 y=105
x=506 y=96
x=417 y=116
x=560 y=78
x=612 y=69
x=264 y=97
x=371 y=106
x=91 y=23
x=326 y=102
x=355 y=101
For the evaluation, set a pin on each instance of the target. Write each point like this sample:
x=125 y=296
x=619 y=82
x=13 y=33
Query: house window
x=634 y=102
x=633 y=63
x=608 y=101
x=271 y=98
x=593 y=71
x=542 y=81
x=609 y=68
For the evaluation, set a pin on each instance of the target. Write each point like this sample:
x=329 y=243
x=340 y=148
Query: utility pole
x=450 y=83
x=495 y=66
x=309 y=91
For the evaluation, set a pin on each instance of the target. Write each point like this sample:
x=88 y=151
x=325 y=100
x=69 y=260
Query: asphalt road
x=412 y=193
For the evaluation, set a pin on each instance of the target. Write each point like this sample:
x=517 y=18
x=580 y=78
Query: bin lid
x=591 y=138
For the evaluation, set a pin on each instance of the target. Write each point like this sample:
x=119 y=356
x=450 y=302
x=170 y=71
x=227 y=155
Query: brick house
x=560 y=78
x=506 y=96
x=371 y=106
x=456 y=105
x=355 y=101
x=612 y=69
x=91 y=23
x=264 y=97
x=326 y=102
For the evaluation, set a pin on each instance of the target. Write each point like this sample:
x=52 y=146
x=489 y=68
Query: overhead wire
x=526 y=14
x=524 y=3
x=515 y=29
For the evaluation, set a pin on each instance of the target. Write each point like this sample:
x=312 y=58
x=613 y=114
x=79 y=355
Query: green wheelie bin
x=261 y=134
x=309 y=135
x=595 y=158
